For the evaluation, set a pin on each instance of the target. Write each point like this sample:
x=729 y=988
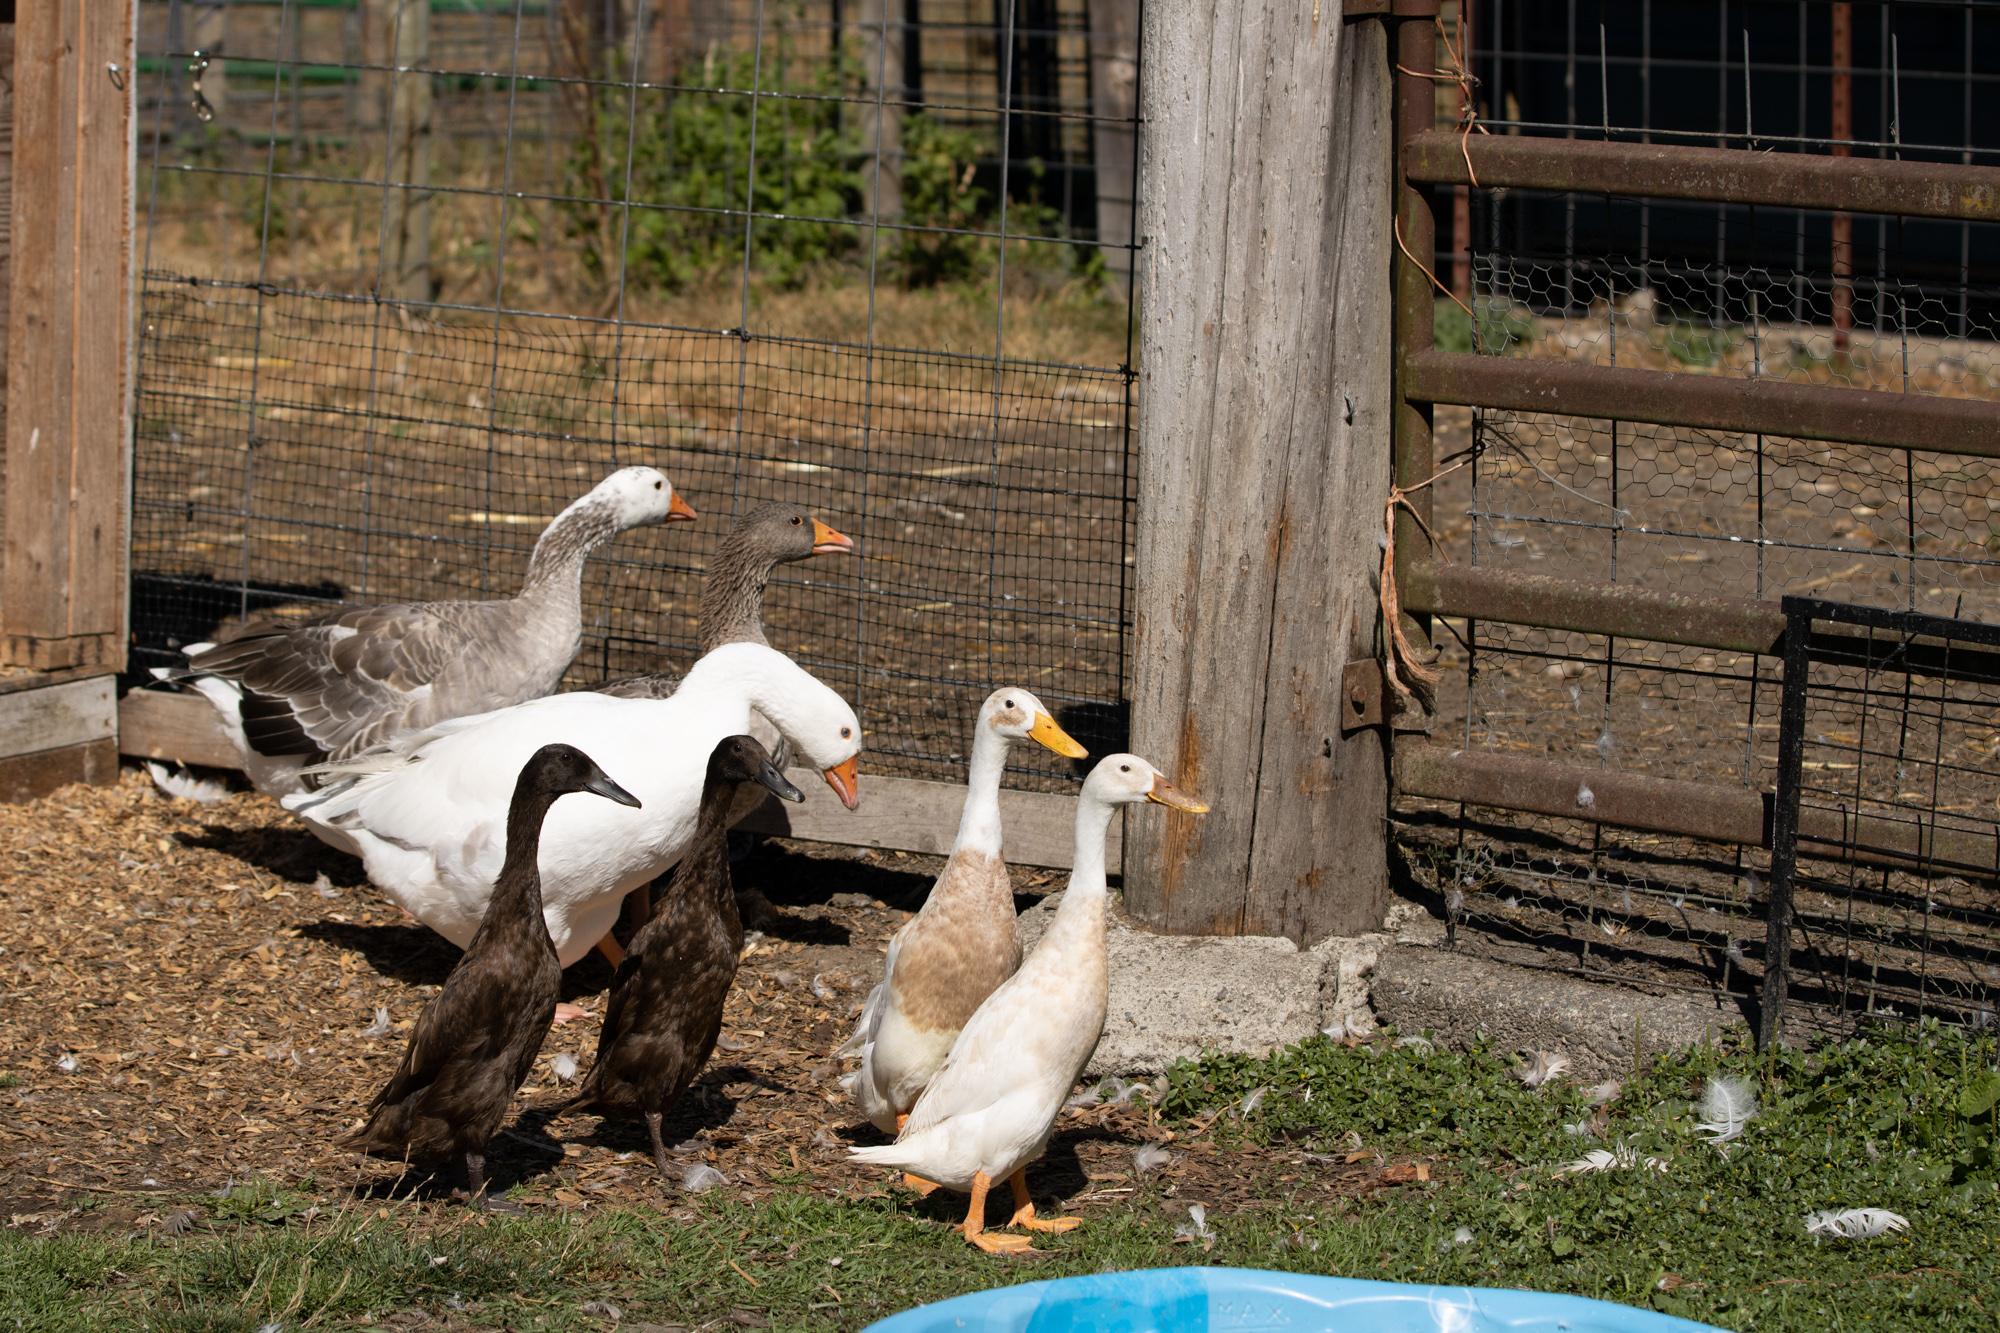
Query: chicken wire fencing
x=1767 y=294
x=416 y=273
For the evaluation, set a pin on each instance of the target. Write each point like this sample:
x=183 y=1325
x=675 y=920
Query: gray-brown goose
x=295 y=693
x=732 y=597
x=473 y=1044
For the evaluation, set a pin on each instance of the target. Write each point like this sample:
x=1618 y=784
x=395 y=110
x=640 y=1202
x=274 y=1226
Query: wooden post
x=397 y=34
x=880 y=29
x=1263 y=464
x=69 y=370
x=1114 y=100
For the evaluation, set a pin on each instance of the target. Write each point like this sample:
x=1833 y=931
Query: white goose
x=291 y=693
x=428 y=814
x=948 y=958
x=988 y=1111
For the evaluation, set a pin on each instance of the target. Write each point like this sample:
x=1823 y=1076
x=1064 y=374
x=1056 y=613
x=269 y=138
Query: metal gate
x=1579 y=571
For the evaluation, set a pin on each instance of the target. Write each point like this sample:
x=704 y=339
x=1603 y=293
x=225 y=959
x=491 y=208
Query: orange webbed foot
x=994 y=1242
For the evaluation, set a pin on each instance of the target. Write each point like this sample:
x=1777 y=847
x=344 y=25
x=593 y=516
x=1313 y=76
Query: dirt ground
x=192 y=991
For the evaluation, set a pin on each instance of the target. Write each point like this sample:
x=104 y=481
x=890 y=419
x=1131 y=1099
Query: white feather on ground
x=1544 y=1068
x=1199 y=1230
x=1622 y=1158
x=185 y=786
x=1855 y=1223
x=1727 y=1105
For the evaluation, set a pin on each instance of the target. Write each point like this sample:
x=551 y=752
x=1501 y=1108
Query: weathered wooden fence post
x=68 y=166
x=1264 y=459
x=1114 y=100
x=880 y=27
x=397 y=36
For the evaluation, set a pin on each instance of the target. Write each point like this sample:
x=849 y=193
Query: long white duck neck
x=750 y=676
x=1080 y=916
x=555 y=570
x=979 y=825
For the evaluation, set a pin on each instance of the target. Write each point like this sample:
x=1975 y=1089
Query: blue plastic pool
x=1196 y=1300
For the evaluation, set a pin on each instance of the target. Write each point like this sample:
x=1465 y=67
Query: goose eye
x=1124 y=768
x=659 y=485
x=846 y=733
x=797 y=521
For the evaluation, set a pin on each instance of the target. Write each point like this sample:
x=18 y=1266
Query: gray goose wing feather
x=350 y=679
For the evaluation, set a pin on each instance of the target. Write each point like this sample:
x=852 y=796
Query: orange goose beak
x=845 y=779
x=826 y=541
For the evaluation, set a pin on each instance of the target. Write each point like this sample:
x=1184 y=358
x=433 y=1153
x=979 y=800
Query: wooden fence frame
x=68 y=164
x=1264 y=458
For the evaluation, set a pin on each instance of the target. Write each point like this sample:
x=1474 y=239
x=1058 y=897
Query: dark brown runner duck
x=475 y=1041
x=666 y=1001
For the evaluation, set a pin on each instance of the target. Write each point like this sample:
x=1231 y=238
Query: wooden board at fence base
x=55 y=734
x=902 y=814
x=62 y=577
x=1263 y=464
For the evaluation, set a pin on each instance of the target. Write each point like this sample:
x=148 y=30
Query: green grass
x=1902 y=1122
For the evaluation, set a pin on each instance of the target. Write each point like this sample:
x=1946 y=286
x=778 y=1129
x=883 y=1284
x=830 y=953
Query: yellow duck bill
x=1047 y=733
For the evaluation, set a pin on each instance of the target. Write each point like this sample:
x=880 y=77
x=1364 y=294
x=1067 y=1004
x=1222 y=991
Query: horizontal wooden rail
x=1708 y=175
x=1712 y=812
x=901 y=814
x=1706 y=402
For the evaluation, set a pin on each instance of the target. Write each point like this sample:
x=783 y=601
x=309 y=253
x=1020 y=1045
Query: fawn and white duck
x=989 y=1109
x=949 y=957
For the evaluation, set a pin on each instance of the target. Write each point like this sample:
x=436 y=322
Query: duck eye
x=1008 y=704
x=1124 y=768
x=797 y=521
x=659 y=485
x=846 y=733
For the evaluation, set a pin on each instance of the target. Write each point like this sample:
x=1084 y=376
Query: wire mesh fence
x=1885 y=885
x=419 y=272
x=1766 y=294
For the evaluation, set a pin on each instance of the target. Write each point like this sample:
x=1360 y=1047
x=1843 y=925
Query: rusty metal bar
x=1627 y=610
x=1707 y=402
x=1413 y=48
x=1707 y=811
x=1573 y=791
x=1842 y=115
x=1952 y=191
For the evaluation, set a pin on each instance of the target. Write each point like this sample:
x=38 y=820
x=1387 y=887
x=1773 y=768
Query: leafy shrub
x=942 y=170
x=1503 y=327
x=691 y=153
